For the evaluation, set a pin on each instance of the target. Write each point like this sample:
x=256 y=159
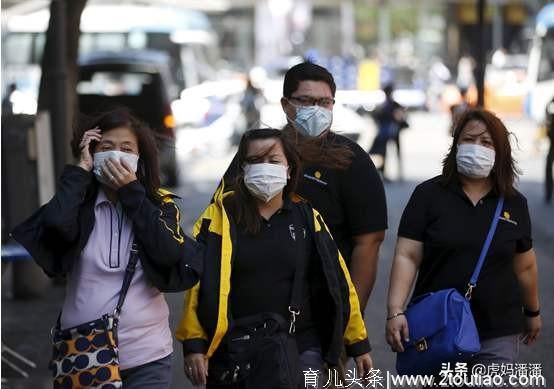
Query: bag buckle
x=421 y=345
x=236 y=373
x=293 y=314
x=469 y=291
x=134 y=248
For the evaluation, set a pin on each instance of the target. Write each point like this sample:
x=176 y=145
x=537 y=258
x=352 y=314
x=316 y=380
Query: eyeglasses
x=307 y=101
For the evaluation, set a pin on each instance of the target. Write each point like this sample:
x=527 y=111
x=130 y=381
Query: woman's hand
x=397 y=330
x=119 y=173
x=533 y=327
x=364 y=364
x=196 y=368
x=85 y=158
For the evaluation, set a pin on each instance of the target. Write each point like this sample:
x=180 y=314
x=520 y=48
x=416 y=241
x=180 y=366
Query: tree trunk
x=59 y=75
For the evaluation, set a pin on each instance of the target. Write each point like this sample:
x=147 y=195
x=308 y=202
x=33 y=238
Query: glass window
x=18 y=48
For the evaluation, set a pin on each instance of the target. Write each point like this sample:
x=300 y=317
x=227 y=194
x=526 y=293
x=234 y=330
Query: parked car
x=140 y=81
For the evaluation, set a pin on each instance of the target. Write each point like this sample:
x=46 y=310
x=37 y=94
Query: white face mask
x=475 y=161
x=101 y=158
x=265 y=180
x=313 y=120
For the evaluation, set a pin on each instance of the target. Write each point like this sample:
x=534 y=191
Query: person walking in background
x=457 y=110
x=105 y=203
x=549 y=124
x=390 y=117
x=251 y=104
x=271 y=265
x=7 y=101
x=441 y=233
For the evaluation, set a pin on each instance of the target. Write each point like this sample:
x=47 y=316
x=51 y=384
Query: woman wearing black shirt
x=443 y=229
x=257 y=238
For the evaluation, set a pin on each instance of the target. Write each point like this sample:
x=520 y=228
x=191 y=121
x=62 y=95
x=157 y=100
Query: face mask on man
x=312 y=120
x=265 y=180
x=100 y=159
x=475 y=161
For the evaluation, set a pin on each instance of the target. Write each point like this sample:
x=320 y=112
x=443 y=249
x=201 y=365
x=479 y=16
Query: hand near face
x=118 y=172
x=85 y=158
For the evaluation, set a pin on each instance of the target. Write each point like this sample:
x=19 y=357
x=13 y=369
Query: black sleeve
x=173 y=261
x=363 y=195
x=61 y=213
x=525 y=242
x=156 y=226
x=53 y=230
x=413 y=223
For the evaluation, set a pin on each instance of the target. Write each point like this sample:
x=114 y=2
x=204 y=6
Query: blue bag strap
x=485 y=249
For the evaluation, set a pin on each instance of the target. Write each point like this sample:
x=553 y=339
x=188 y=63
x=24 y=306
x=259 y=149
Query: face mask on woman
x=474 y=161
x=265 y=180
x=313 y=120
x=101 y=158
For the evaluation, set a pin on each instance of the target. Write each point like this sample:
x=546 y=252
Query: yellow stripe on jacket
x=355 y=329
x=190 y=326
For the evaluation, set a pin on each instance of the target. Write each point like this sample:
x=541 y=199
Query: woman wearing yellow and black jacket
x=257 y=240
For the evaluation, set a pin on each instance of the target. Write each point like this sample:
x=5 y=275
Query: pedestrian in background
x=7 y=101
x=457 y=110
x=251 y=104
x=390 y=117
x=271 y=267
x=441 y=233
x=105 y=204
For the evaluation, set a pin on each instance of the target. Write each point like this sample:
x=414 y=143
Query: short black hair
x=388 y=88
x=306 y=71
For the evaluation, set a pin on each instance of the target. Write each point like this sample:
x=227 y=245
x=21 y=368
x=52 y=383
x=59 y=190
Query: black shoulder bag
x=261 y=349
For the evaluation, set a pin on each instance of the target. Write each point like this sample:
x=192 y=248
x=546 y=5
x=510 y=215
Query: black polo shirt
x=264 y=267
x=352 y=201
x=453 y=232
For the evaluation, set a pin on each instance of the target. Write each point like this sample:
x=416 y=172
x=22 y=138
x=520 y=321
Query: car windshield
x=114 y=83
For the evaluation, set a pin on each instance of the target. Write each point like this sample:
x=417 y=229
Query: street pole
x=53 y=88
x=480 y=58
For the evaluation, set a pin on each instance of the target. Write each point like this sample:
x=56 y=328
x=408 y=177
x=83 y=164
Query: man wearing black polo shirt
x=351 y=200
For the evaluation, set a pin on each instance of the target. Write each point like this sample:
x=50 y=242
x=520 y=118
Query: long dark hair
x=320 y=150
x=148 y=168
x=505 y=171
x=243 y=204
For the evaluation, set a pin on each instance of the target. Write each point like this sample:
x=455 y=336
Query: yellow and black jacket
x=57 y=233
x=206 y=317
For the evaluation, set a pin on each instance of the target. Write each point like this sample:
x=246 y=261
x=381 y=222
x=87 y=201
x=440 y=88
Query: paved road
x=25 y=324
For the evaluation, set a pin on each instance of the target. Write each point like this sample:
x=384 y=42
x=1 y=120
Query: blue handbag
x=441 y=324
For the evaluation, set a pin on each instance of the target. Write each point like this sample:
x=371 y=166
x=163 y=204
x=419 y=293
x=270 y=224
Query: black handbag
x=260 y=350
x=87 y=355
